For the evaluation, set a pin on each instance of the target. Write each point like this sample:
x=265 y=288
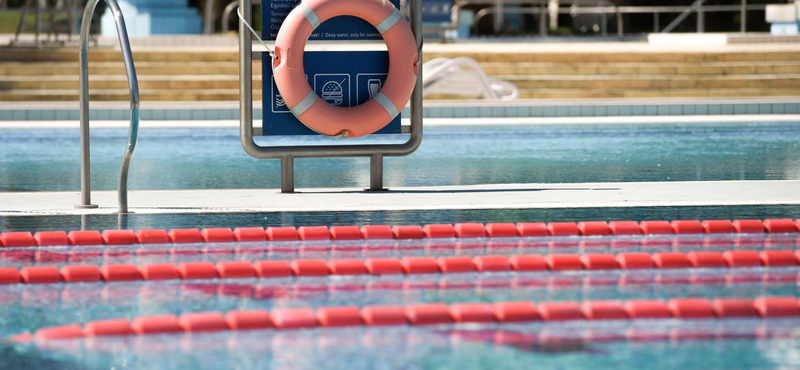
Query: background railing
x=577 y=7
x=496 y=9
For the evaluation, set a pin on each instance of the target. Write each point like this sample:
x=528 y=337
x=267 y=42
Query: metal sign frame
x=287 y=154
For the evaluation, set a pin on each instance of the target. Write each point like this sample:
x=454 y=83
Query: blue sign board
x=341 y=78
x=436 y=11
x=273 y=12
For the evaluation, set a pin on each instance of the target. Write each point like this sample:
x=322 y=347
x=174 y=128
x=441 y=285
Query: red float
x=248 y=320
x=589 y=228
x=313 y=233
x=272 y=269
x=249 y=234
x=339 y=316
x=501 y=230
x=345 y=233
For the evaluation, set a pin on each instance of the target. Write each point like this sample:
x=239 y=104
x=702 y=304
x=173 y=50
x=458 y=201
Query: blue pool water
x=140 y=221
x=47 y=160
x=33 y=160
x=742 y=344
x=402 y=348
x=429 y=348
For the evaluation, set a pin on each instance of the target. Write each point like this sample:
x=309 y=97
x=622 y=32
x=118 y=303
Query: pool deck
x=505 y=196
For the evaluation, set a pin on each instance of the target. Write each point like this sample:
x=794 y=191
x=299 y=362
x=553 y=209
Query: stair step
x=231 y=55
x=494 y=68
x=642 y=69
x=117 y=68
x=633 y=94
x=122 y=95
x=653 y=82
x=233 y=94
x=710 y=57
x=120 y=82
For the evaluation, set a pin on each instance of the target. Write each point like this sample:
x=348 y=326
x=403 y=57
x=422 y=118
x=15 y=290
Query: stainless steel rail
x=499 y=9
x=499 y=6
x=133 y=89
x=287 y=154
x=542 y=12
x=226 y=14
x=696 y=6
x=208 y=21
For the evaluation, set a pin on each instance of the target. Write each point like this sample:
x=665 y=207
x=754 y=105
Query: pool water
x=148 y=221
x=417 y=348
x=695 y=344
x=48 y=160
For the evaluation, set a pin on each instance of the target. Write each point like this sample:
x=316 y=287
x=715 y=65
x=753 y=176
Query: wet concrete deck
x=506 y=196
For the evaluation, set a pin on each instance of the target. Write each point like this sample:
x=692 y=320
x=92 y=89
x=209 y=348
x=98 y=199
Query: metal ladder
x=460 y=76
x=133 y=87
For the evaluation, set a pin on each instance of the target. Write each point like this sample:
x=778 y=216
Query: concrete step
x=496 y=68
x=633 y=94
x=642 y=69
x=113 y=55
x=155 y=95
x=212 y=75
x=117 y=68
x=653 y=82
x=122 y=95
x=677 y=57
x=209 y=82
x=231 y=55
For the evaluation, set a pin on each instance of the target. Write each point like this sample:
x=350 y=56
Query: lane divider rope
x=427 y=314
x=552 y=283
x=396 y=266
x=244 y=289
x=85 y=254
x=407 y=232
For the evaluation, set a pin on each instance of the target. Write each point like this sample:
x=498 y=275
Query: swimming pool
x=47 y=160
x=667 y=343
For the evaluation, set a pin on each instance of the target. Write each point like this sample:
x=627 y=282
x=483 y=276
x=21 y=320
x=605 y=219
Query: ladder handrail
x=133 y=89
x=438 y=69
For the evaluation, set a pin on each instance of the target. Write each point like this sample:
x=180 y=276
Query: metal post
x=133 y=90
x=604 y=24
x=620 y=29
x=245 y=74
x=416 y=95
x=83 y=75
x=73 y=24
x=287 y=174
x=498 y=16
x=701 y=20
x=208 y=22
x=743 y=17
x=656 y=26
x=376 y=173
x=543 y=21
x=23 y=22
x=38 y=23
x=51 y=25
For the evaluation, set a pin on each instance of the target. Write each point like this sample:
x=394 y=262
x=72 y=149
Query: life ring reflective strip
x=315 y=112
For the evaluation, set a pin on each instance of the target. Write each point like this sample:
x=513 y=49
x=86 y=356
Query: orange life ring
x=318 y=114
